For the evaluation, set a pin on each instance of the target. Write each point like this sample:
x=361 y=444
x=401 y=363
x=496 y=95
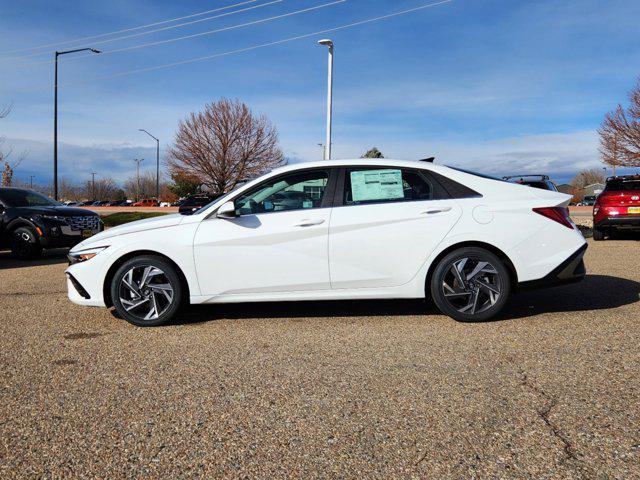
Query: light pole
x=55 y=115
x=93 y=185
x=138 y=161
x=327 y=147
x=157 y=162
x=31 y=181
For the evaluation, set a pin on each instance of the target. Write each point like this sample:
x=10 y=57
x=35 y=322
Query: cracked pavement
x=336 y=389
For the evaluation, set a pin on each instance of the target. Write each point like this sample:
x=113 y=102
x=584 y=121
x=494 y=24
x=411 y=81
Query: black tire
x=157 y=299
x=598 y=234
x=479 y=297
x=25 y=244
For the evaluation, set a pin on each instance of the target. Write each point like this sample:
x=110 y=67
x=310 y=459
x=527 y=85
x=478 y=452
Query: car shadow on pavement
x=308 y=309
x=49 y=257
x=595 y=292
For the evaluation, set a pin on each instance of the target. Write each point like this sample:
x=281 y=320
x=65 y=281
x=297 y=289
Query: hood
x=132 y=227
x=58 y=210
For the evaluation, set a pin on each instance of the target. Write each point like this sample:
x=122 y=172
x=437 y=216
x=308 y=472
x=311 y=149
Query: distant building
x=594 y=190
x=565 y=188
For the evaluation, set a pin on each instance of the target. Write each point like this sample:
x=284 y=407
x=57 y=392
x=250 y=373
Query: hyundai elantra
x=334 y=230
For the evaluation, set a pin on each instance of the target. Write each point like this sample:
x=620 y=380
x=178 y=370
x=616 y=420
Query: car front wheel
x=470 y=284
x=25 y=244
x=147 y=291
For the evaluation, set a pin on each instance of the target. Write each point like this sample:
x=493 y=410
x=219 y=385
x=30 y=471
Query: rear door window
x=382 y=185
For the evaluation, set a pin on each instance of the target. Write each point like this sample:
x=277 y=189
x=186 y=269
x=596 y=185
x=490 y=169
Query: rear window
x=622 y=185
x=196 y=201
x=482 y=175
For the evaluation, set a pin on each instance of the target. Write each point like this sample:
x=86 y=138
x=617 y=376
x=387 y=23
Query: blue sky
x=500 y=86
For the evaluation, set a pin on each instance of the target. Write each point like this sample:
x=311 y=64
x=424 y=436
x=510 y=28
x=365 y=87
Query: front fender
x=175 y=243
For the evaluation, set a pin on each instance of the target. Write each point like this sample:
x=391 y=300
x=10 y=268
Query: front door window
x=299 y=191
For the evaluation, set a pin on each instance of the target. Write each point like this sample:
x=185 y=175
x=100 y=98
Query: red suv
x=147 y=202
x=618 y=206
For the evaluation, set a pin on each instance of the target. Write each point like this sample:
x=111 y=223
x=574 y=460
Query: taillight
x=557 y=214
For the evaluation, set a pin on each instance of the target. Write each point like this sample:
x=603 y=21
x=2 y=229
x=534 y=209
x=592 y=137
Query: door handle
x=308 y=223
x=433 y=211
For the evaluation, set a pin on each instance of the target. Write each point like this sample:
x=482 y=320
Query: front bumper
x=571 y=270
x=85 y=281
x=64 y=237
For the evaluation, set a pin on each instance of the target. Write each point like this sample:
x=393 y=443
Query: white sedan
x=333 y=230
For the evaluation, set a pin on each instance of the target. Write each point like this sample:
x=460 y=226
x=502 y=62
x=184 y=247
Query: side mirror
x=227 y=210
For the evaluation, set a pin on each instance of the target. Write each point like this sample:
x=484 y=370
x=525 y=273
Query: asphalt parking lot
x=341 y=389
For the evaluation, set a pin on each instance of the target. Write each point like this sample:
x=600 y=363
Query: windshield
x=622 y=185
x=25 y=198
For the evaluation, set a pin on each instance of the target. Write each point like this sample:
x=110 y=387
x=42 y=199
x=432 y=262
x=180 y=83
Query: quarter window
x=296 y=191
x=369 y=185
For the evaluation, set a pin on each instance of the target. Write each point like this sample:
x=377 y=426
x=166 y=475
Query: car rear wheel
x=147 y=291
x=598 y=234
x=470 y=284
x=25 y=244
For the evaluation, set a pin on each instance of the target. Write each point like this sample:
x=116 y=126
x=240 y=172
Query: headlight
x=84 y=255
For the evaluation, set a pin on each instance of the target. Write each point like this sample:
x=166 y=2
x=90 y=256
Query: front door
x=277 y=243
x=390 y=221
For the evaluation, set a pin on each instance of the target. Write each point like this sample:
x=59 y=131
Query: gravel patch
x=324 y=389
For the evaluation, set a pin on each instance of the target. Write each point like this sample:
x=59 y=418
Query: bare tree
x=7 y=168
x=620 y=133
x=223 y=144
x=104 y=188
x=585 y=178
x=143 y=187
x=70 y=191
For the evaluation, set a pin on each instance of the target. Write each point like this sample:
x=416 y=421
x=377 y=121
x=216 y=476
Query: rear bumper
x=624 y=221
x=570 y=270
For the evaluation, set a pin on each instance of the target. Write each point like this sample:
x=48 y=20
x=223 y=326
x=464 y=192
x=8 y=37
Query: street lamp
x=327 y=148
x=55 y=115
x=157 y=162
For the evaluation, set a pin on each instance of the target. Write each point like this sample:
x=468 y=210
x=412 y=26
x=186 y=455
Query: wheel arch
x=106 y=286
x=513 y=274
x=20 y=222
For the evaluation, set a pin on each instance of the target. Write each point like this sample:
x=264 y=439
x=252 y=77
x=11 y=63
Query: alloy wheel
x=145 y=292
x=471 y=286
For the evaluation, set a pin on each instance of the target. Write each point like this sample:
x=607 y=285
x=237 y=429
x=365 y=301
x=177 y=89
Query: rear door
x=387 y=223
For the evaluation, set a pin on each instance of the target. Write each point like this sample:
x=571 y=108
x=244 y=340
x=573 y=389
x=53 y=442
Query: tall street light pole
x=55 y=115
x=327 y=145
x=157 y=162
x=31 y=181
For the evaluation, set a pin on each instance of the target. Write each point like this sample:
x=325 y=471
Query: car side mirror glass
x=227 y=210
